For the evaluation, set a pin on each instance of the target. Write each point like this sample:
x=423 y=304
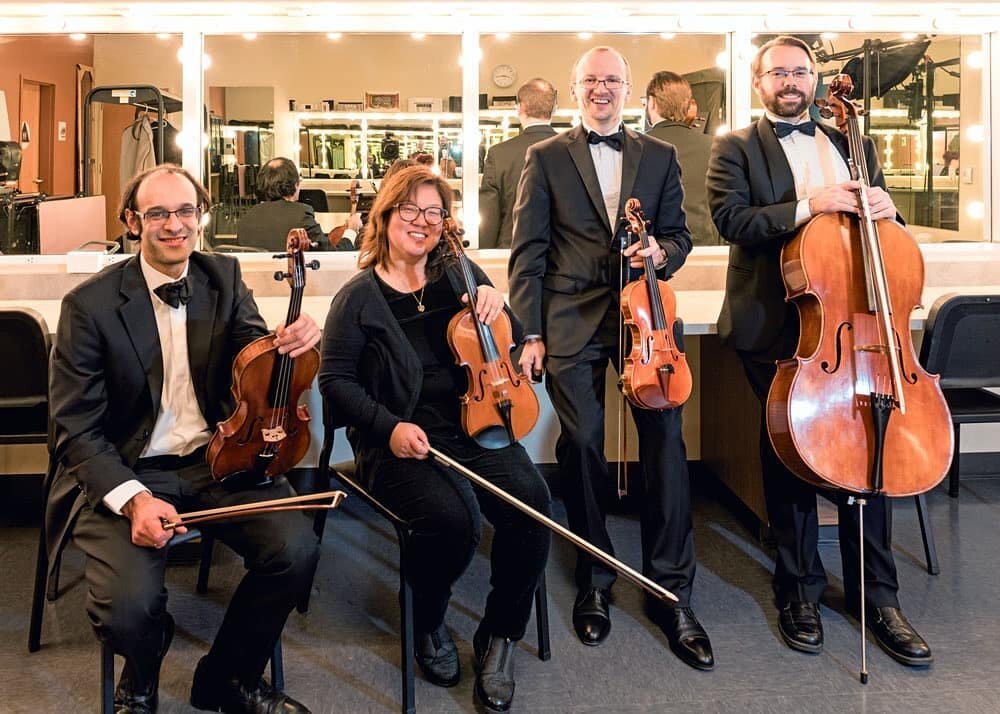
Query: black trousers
x=445 y=512
x=127 y=599
x=791 y=508
x=576 y=388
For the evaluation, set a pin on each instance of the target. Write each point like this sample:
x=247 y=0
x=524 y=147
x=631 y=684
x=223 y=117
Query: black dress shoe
x=800 y=627
x=495 y=665
x=897 y=637
x=688 y=639
x=438 y=657
x=133 y=697
x=229 y=695
x=591 y=618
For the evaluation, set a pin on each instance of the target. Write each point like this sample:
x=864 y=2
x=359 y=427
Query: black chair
x=344 y=473
x=961 y=343
x=24 y=353
x=314 y=197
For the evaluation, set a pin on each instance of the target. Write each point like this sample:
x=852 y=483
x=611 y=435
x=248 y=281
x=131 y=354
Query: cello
x=268 y=433
x=853 y=410
x=656 y=373
x=500 y=406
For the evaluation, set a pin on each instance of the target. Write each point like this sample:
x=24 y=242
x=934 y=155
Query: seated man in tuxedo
x=141 y=373
x=266 y=225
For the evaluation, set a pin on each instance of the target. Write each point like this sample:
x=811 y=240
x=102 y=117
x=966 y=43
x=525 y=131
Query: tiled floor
x=343 y=655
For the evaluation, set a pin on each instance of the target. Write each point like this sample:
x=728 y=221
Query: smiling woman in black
x=389 y=376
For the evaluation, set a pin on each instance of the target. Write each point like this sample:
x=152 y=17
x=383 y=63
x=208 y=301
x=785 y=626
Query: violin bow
x=635 y=576
x=246 y=510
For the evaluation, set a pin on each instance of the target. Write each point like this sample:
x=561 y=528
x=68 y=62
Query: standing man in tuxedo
x=536 y=100
x=141 y=373
x=764 y=183
x=671 y=110
x=565 y=267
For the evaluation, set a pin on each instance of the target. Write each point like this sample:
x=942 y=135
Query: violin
x=500 y=406
x=656 y=373
x=854 y=409
x=336 y=236
x=268 y=433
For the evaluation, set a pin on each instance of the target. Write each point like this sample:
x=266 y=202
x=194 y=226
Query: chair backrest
x=962 y=341
x=24 y=372
x=314 y=197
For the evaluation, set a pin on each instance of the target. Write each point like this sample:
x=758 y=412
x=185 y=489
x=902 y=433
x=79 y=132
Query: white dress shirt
x=608 y=164
x=180 y=428
x=815 y=163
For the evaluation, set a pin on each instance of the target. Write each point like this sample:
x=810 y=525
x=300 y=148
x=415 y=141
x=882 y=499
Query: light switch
x=967 y=174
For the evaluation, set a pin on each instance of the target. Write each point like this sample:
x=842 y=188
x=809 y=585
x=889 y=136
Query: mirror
x=511 y=60
x=335 y=116
x=75 y=146
x=924 y=96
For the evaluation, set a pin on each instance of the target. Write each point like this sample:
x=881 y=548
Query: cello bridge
x=273 y=435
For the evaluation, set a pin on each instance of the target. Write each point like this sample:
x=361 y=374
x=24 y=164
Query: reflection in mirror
x=338 y=125
x=509 y=61
x=924 y=98
x=67 y=145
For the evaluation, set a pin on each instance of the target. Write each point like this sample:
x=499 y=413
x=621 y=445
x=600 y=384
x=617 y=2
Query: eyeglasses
x=434 y=215
x=611 y=83
x=162 y=215
x=798 y=74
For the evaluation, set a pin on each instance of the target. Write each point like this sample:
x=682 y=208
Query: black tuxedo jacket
x=498 y=190
x=693 y=149
x=565 y=255
x=751 y=193
x=266 y=225
x=106 y=376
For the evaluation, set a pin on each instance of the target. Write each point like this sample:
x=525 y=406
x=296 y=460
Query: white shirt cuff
x=116 y=498
x=350 y=234
x=802 y=212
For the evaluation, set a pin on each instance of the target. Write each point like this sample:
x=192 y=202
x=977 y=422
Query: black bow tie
x=176 y=293
x=616 y=141
x=783 y=128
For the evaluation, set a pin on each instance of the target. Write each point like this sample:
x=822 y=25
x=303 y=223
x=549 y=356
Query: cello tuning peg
x=278 y=275
x=313 y=264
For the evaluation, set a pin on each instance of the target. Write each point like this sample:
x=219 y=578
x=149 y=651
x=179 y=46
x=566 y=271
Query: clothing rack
x=141 y=96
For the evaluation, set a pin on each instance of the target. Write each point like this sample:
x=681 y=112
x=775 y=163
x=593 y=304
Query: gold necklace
x=420 y=300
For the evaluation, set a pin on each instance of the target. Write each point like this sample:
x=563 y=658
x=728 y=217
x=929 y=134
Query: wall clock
x=504 y=75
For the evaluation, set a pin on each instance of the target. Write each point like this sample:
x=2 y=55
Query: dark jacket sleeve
x=245 y=321
x=517 y=329
x=79 y=403
x=530 y=245
x=729 y=196
x=313 y=229
x=489 y=205
x=671 y=229
x=340 y=377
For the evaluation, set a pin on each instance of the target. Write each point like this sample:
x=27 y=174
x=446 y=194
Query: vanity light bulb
x=975 y=210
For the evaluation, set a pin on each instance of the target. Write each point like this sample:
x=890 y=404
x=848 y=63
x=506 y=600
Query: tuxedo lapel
x=201 y=311
x=140 y=325
x=780 y=173
x=631 y=156
x=579 y=151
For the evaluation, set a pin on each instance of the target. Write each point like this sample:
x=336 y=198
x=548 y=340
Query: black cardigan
x=370 y=374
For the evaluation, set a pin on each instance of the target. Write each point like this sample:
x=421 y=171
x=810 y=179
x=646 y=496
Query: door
x=38 y=113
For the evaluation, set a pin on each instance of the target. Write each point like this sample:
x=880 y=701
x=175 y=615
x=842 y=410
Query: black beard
x=780 y=110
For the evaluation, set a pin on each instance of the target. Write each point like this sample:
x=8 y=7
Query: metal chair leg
x=406 y=632
x=107 y=679
x=542 y=620
x=38 y=595
x=953 y=470
x=930 y=551
x=277 y=667
x=207 y=549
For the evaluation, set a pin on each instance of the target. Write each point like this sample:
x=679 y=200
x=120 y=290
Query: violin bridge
x=273 y=435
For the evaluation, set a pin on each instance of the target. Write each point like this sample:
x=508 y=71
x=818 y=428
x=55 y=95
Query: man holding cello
x=141 y=372
x=565 y=266
x=764 y=183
